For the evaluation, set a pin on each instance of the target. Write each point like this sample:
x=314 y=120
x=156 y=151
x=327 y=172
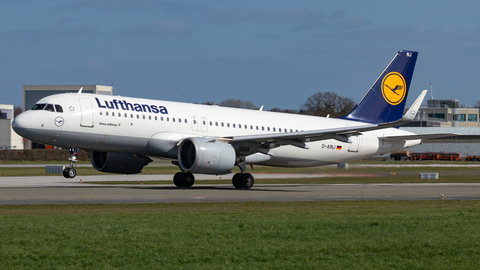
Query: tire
x=188 y=179
x=247 y=180
x=71 y=173
x=65 y=174
x=177 y=179
x=236 y=180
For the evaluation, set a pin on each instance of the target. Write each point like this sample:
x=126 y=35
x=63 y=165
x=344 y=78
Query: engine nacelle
x=118 y=163
x=206 y=155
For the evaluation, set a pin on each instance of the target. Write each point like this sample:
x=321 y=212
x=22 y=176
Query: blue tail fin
x=385 y=100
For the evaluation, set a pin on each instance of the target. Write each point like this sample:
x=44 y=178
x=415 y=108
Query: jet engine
x=118 y=163
x=205 y=155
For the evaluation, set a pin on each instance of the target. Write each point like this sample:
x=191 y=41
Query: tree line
x=319 y=104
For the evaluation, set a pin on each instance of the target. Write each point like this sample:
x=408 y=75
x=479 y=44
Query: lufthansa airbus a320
x=122 y=133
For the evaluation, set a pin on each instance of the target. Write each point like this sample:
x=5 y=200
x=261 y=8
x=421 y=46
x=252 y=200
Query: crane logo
x=393 y=88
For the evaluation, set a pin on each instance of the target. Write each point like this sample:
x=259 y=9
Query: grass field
x=261 y=235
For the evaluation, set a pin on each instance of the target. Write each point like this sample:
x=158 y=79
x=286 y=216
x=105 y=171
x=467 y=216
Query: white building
x=9 y=139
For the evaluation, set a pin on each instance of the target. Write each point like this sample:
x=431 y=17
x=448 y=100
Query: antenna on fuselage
x=80 y=91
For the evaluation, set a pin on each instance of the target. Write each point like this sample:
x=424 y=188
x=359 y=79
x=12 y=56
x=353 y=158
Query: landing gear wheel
x=177 y=180
x=247 y=180
x=188 y=179
x=236 y=180
x=183 y=179
x=69 y=173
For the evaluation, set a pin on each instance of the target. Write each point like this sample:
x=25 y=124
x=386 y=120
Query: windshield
x=39 y=106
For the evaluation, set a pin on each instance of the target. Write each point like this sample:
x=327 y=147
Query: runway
x=58 y=190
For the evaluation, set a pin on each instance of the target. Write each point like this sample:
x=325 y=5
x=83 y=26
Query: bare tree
x=17 y=110
x=327 y=103
x=477 y=104
x=237 y=103
x=283 y=110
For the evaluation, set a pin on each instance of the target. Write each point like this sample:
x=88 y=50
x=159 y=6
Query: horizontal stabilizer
x=416 y=137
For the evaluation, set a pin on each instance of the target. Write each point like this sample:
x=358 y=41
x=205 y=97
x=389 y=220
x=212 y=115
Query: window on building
x=436 y=115
x=472 y=118
x=461 y=117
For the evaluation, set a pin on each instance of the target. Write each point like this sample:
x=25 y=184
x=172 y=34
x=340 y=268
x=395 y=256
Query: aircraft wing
x=300 y=138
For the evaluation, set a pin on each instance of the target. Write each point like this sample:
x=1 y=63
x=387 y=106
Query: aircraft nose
x=21 y=123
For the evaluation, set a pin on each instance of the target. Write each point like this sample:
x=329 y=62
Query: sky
x=272 y=53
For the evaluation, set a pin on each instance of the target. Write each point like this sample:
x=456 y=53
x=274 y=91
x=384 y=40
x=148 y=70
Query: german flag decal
x=339 y=147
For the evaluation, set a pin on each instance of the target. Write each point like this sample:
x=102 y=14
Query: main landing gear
x=183 y=179
x=239 y=180
x=243 y=180
x=71 y=172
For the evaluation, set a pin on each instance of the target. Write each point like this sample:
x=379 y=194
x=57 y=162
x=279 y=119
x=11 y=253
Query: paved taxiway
x=58 y=190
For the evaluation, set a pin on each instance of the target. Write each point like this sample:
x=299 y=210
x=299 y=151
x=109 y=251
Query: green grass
x=261 y=235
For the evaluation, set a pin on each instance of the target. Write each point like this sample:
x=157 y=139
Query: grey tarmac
x=58 y=190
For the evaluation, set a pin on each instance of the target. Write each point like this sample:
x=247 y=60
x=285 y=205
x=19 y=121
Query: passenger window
x=268 y=128
x=173 y=119
x=138 y=116
x=149 y=117
x=216 y=124
x=143 y=116
x=100 y=113
x=131 y=115
x=156 y=118
x=161 y=118
x=228 y=124
x=106 y=113
x=263 y=129
x=58 y=108
x=125 y=115
x=185 y=120
x=274 y=130
x=194 y=122
x=179 y=120
x=113 y=113
x=39 y=107
x=210 y=123
x=222 y=124
x=168 y=119
x=49 y=108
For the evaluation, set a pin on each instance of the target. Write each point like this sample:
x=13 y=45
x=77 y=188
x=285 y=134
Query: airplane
x=122 y=133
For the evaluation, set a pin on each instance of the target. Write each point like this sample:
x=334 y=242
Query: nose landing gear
x=71 y=172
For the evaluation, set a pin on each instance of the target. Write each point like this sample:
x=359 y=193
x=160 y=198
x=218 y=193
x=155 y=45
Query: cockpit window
x=49 y=108
x=39 y=106
x=58 y=108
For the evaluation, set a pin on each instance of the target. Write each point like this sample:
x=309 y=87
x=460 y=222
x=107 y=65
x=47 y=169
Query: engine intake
x=118 y=163
x=205 y=155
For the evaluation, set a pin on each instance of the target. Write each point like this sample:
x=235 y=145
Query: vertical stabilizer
x=385 y=101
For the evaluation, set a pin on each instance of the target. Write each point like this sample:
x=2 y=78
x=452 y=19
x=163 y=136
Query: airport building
x=9 y=139
x=446 y=113
x=447 y=116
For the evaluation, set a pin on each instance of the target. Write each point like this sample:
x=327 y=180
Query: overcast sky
x=273 y=53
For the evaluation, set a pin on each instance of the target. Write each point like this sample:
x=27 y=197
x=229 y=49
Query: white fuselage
x=152 y=127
